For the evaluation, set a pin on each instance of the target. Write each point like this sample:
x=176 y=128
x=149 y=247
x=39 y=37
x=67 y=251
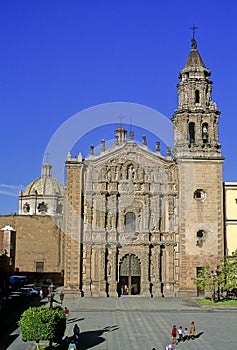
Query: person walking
x=76 y=329
x=180 y=333
x=174 y=334
x=192 y=332
x=76 y=332
x=66 y=311
x=185 y=335
x=41 y=293
x=72 y=345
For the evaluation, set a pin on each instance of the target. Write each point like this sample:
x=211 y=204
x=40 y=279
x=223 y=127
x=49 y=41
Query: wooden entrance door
x=130 y=274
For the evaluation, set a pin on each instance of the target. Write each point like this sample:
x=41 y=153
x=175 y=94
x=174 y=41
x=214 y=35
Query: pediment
x=130 y=163
x=129 y=152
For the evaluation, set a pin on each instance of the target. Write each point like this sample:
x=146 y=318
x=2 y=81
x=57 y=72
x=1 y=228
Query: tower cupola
x=196 y=118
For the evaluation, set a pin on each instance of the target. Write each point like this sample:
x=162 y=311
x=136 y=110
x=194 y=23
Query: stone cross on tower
x=194 y=28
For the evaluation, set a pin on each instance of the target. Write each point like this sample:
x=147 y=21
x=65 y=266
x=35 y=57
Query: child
x=170 y=347
x=185 y=336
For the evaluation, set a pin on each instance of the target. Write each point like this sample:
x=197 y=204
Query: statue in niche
x=109 y=269
x=42 y=207
x=131 y=173
x=109 y=175
x=59 y=208
x=113 y=171
x=109 y=220
x=26 y=207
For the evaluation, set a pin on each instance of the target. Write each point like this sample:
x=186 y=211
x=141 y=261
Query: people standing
x=185 y=335
x=66 y=311
x=192 y=332
x=122 y=289
x=72 y=345
x=180 y=333
x=174 y=334
x=76 y=331
x=41 y=293
x=126 y=289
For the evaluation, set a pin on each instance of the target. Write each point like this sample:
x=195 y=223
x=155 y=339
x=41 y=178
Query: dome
x=45 y=185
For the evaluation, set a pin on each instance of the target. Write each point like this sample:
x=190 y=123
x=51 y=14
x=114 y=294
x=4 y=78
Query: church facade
x=136 y=222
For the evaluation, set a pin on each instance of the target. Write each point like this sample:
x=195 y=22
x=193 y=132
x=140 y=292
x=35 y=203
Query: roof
x=7 y=228
x=194 y=58
x=45 y=185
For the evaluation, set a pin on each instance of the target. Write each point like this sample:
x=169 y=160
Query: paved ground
x=141 y=324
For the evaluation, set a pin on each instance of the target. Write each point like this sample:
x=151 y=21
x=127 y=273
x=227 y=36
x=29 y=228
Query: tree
x=42 y=323
x=224 y=278
x=230 y=274
x=204 y=280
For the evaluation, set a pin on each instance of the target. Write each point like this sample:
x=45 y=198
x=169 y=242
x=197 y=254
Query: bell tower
x=197 y=152
x=197 y=117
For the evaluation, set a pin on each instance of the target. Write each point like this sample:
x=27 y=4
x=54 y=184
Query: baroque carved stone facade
x=135 y=218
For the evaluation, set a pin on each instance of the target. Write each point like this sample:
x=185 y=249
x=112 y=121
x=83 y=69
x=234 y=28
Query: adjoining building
x=37 y=228
x=230 y=202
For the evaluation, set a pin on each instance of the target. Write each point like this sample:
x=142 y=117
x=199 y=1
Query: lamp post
x=51 y=296
x=51 y=299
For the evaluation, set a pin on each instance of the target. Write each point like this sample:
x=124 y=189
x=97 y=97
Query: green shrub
x=43 y=323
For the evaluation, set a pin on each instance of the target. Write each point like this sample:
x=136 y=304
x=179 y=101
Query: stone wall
x=38 y=239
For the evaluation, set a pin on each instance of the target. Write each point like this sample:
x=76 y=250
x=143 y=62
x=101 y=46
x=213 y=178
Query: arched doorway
x=129 y=275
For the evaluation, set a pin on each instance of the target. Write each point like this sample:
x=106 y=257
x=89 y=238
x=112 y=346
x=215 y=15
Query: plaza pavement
x=136 y=323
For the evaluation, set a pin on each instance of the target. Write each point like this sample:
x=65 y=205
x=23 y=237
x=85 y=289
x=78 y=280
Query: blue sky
x=61 y=57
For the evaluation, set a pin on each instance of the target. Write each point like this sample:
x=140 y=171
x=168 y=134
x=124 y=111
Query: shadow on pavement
x=199 y=334
x=72 y=320
x=89 y=339
x=9 y=316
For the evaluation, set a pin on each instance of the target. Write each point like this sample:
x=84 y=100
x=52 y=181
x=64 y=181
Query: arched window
x=191 y=132
x=130 y=222
x=197 y=96
x=200 y=238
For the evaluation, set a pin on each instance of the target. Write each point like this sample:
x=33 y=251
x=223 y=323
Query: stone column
x=145 y=283
x=169 y=269
x=112 y=271
x=155 y=271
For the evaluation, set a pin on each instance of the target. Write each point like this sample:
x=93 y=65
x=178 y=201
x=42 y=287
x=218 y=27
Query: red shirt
x=66 y=311
x=174 y=331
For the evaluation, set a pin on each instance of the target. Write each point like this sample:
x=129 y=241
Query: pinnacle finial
x=194 y=43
